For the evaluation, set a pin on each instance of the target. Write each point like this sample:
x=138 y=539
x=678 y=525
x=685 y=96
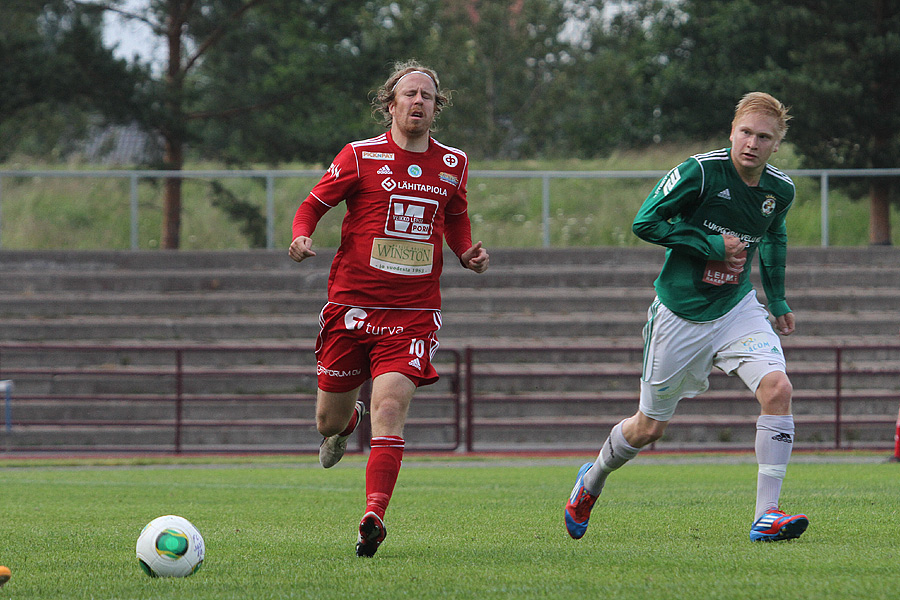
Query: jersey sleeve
x=660 y=219
x=336 y=184
x=457 y=227
x=772 y=260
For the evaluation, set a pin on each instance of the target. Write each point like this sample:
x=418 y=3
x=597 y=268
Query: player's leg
x=774 y=442
x=342 y=367
x=401 y=362
x=624 y=442
x=614 y=453
x=671 y=371
x=391 y=396
x=774 y=439
x=756 y=356
x=337 y=416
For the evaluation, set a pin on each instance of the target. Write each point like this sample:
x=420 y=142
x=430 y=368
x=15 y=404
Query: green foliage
x=247 y=215
x=55 y=73
x=840 y=76
x=84 y=213
x=671 y=527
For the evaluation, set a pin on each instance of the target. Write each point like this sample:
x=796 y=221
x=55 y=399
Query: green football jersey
x=689 y=210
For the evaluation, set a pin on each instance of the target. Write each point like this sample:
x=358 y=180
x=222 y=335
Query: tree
x=507 y=65
x=293 y=82
x=247 y=79
x=835 y=63
x=842 y=78
x=55 y=73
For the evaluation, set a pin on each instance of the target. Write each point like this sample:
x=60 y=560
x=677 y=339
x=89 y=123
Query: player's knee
x=648 y=436
x=774 y=393
x=328 y=424
x=643 y=431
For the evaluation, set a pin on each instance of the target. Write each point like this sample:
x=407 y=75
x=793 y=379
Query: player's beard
x=414 y=128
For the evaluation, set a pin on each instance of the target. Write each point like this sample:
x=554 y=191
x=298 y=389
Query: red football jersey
x=400 y=205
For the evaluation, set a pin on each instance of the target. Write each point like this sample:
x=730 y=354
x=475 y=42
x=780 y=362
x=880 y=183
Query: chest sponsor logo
x=411 y=217
x=448 y=178
x=378 y=155
x=716 y=228
x=402 y=257
x=719 y=272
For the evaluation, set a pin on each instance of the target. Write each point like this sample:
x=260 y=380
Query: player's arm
x=305 y=221
x=660 y=218
x=772 y=260
x=458 y=230
x=458 y=233
x=335 y=185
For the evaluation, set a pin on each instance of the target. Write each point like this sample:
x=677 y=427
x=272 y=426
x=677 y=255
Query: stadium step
x=559 y=303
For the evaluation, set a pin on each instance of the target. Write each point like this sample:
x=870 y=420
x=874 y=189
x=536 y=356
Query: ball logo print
x=355 y=318
x=170 y=546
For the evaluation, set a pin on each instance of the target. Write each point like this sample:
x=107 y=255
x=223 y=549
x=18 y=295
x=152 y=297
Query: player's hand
x=475 y=258
x=301 y=248
x=785 y=324
x=735 y=251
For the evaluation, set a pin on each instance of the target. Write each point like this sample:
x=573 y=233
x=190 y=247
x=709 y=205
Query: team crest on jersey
x=378 y=155
x=768 y=205
x=414 y=171
x=451 y=160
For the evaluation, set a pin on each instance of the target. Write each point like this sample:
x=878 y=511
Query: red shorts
x=355 y=344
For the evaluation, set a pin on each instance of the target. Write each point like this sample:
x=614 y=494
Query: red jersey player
x=405 y=193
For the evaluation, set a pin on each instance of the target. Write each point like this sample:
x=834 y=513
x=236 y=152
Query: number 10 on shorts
x=417 y=347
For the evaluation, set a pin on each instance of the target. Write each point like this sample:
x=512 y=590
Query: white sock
x=774 y=442
x=614 y=453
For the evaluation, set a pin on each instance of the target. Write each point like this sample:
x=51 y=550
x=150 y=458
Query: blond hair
x=385 y=94
x=761 y=102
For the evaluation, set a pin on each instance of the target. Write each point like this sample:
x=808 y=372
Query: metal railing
x=162 y=390
x=532 y=362
x=270 y=176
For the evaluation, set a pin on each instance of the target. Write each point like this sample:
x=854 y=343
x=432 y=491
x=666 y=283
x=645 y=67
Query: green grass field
x=457 y=528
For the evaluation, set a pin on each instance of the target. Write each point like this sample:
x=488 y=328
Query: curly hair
x=385 y=94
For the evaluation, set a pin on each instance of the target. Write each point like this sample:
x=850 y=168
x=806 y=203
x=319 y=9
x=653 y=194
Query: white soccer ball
x=170 y=546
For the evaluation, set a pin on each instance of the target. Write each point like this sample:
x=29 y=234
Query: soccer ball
x=170 y=546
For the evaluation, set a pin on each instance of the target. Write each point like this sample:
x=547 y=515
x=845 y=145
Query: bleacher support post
x=6 y=387
x=896 y=457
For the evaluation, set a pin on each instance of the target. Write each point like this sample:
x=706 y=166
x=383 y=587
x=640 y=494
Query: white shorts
x=679 y=354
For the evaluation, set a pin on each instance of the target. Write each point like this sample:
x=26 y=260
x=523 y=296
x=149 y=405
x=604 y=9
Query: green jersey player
x=713 y=213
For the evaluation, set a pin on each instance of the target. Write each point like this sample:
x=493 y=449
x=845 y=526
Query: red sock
x=351 y=426
x=381 y=472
